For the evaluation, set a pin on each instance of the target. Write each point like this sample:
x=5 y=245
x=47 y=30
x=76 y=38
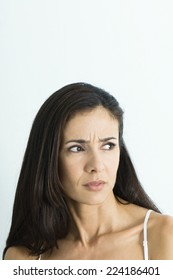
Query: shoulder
x=18 y=253
x=160 y=236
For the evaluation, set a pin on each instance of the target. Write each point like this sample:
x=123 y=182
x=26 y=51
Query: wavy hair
x=40 y=213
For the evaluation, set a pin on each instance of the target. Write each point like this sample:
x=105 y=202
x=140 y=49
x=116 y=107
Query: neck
x=92 y=221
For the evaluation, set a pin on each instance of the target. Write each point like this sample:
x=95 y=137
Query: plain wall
x=124 y=47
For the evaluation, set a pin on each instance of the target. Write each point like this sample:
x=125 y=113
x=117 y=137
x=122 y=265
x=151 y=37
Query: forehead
x=98 y=121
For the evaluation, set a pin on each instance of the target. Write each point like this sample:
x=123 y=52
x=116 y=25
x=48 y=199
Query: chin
x=94 y=200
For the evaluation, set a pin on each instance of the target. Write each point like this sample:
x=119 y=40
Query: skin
x=101 y=228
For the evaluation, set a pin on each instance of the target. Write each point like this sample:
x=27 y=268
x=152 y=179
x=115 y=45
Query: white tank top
x=145 y=241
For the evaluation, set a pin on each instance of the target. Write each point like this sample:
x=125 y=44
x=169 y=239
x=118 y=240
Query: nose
x=94 y=163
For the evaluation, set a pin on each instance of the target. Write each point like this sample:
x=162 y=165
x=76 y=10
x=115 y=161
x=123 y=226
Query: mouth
x=95 y=185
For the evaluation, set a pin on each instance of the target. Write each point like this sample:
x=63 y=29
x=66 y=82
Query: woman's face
x=89 y=156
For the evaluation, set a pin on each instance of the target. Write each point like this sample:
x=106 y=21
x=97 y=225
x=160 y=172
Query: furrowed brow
x=80 y=141
x=83 y=141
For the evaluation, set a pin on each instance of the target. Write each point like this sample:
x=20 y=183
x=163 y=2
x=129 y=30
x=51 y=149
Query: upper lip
x=95 y=183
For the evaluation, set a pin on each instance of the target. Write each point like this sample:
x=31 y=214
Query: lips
x=95 y=185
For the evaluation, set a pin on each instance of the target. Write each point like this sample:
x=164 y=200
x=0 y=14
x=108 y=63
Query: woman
x=78 y=195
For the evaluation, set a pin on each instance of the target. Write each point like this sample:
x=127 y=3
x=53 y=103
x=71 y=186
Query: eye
x=109 y=146
x=76 y=149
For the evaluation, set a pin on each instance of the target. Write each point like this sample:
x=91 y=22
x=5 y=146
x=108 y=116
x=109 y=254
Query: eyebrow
x=82 y=141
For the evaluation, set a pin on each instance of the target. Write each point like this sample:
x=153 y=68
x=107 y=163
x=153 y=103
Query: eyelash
x=112 y=146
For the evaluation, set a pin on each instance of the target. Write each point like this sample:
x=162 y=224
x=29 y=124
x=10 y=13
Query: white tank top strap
x=145 y=242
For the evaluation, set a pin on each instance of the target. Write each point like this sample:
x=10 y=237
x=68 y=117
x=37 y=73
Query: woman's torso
x=126 y=244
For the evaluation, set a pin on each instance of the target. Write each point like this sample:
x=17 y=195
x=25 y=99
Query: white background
x=125 y=47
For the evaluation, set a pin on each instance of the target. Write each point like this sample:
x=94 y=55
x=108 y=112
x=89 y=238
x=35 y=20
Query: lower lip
x=95 y=188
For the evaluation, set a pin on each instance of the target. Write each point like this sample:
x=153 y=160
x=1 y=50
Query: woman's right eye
x=75 y=149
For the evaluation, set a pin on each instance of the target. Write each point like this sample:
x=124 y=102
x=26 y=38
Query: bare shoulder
x=160 y=236
x=18 y=253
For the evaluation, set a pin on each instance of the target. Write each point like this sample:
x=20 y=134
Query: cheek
x=115 y=158
x=62 y=169
x=114 y=164
x=69 y=171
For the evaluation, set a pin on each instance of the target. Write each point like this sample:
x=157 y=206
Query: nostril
x=92 y=171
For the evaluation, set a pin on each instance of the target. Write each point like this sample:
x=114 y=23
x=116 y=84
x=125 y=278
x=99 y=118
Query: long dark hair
x=40 y=213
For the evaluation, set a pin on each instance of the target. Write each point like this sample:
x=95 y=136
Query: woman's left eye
x=109 y=146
